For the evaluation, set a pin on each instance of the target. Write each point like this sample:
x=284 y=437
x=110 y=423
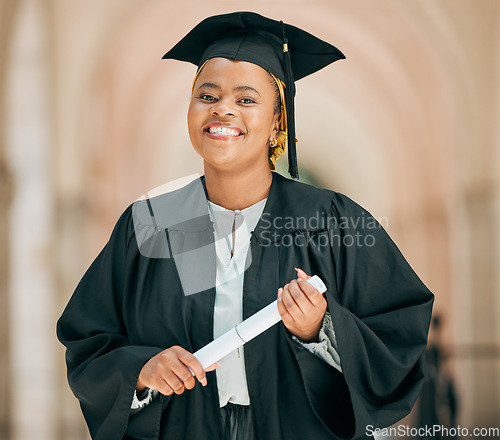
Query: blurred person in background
x=438 y=401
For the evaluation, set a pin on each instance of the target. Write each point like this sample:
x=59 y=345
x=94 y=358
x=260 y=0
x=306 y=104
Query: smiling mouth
x=223 y=131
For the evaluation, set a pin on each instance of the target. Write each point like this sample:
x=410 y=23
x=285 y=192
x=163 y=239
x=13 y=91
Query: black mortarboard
x=289 y=53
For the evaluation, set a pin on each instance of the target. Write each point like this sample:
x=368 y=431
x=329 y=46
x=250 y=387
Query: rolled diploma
x=245 y=331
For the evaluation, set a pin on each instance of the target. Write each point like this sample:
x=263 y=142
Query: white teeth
x=224 y=131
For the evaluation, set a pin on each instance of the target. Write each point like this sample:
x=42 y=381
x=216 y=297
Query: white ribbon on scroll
x=247 y=330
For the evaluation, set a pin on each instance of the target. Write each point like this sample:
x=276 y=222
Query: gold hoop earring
x=274 y=143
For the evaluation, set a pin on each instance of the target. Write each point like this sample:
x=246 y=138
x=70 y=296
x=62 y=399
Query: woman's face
x=231 y=117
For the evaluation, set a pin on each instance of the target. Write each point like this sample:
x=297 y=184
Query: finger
x=280 y=291
x=301 y=274
x=175 y=372
x=194 y=367
x=189 y=365
x=285 y=316
x=164 y=388
x=289 y=302
x=213 y=367
x=174 y=382
x=187 y=378
x=300 y=298
x=312 y=294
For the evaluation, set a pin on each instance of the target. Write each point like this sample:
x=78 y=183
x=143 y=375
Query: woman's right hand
x=168 y=372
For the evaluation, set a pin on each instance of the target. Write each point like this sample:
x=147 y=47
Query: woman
x=183 y=267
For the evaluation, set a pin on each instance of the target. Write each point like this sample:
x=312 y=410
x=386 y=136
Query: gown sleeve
x=381 y=313
x=326 y=348
x=102 y=365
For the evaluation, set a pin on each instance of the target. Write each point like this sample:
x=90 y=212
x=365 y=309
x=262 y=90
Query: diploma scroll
x=247 y=330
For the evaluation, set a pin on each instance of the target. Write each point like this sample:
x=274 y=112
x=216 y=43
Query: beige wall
x=406 y=126
x=6 y=12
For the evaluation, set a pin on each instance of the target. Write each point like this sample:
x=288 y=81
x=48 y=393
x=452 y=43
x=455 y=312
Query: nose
x=223 y=108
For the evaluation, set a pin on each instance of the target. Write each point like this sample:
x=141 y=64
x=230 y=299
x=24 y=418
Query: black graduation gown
x=129 y=307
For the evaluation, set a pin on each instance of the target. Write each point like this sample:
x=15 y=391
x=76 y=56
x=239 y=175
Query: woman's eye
x=206 y=97
x=247 y=101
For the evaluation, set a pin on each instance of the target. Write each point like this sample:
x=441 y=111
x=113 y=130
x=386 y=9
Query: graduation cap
x=285 y=51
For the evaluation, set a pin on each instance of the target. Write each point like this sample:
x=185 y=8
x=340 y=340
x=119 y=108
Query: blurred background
x=407 y=126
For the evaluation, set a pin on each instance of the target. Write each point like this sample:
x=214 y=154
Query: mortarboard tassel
x=290 y=108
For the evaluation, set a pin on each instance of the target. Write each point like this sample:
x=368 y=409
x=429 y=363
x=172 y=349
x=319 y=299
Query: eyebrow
x=209 y=85
x=236 y=89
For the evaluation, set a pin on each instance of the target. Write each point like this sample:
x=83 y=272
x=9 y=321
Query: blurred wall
x=91 y=118
x=6 y=13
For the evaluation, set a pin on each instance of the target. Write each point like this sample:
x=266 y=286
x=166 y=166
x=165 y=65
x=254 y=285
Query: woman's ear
x=276 y=124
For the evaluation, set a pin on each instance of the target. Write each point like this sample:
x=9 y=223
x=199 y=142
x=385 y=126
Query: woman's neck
x=237 y=190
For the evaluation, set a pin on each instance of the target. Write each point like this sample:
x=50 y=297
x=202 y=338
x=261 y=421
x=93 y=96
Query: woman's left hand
x=302 y=308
